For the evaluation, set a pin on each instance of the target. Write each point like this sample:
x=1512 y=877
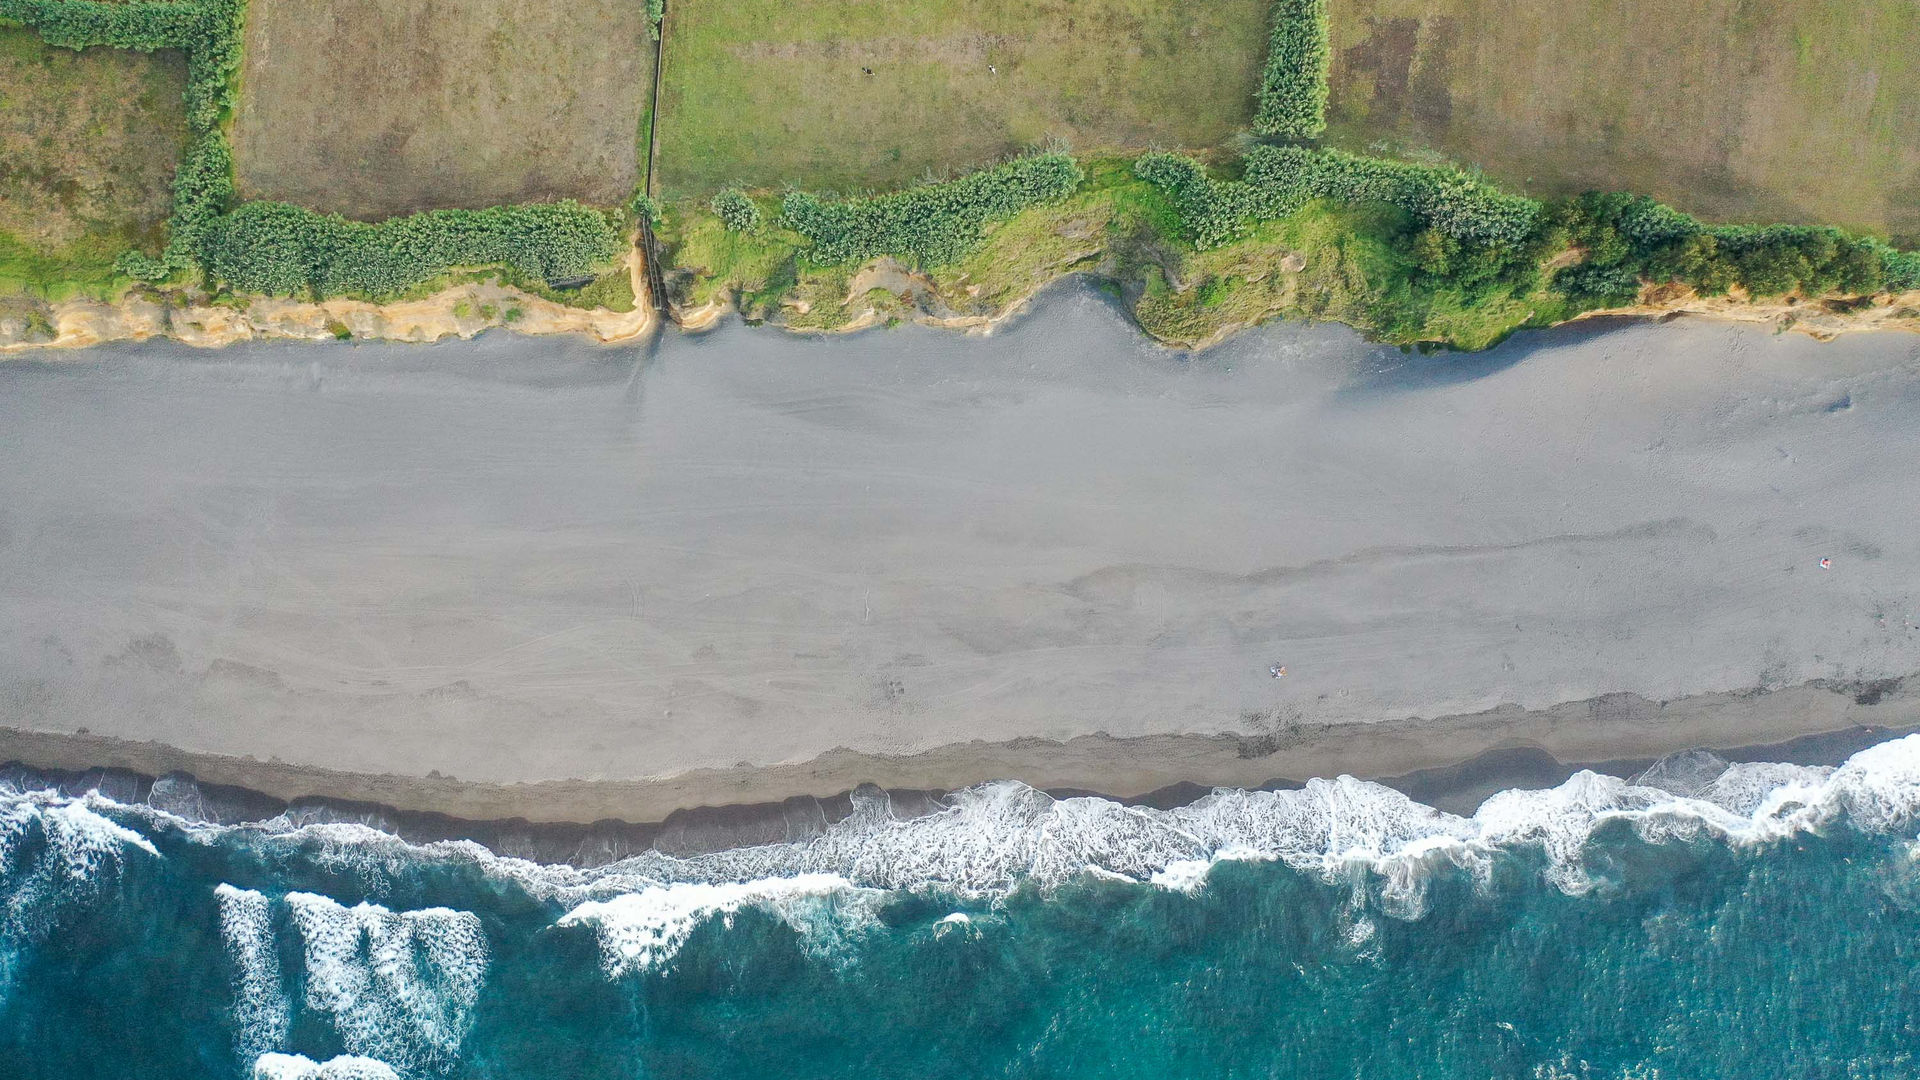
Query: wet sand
x=514 y=563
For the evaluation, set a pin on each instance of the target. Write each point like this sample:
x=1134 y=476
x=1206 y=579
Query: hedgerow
x=1293 y=85
x=1213 y=212
x=933 y=223
x=1457 y=203
x=1280 y=179
x=277 y=249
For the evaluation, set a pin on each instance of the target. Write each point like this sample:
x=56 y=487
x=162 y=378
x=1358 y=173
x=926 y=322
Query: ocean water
x=1704 y=920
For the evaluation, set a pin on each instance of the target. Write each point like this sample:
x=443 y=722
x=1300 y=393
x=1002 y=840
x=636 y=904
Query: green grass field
x=771 y=92
x=1735 y=110
x=88 y=144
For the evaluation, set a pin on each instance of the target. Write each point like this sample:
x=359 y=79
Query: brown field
x=88 y=144
x=768 y=92
x=1732 y=109
x=377 y=107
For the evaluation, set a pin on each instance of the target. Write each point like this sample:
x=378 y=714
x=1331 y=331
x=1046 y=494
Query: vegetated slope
x=1408 y=253
x=770 y=92
x=372 y=108
x=1731 y=109
x=88 y=144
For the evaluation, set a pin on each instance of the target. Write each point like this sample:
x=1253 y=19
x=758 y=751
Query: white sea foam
x=644 y=930
x=399 y=986
x=55 y=854
x=998 y=836
x=260 y=1008
x=299 y=1067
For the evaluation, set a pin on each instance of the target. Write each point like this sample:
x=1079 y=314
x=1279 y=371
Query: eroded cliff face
x=906 y=295
x=1821 y=319
x=190 y=317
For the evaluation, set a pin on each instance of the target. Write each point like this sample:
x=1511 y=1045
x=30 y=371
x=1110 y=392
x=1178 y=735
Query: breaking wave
x=995 y=837
x=299 y=1067
x=56 y=854
x=401 y=986
x=641 y=931
x=398 y=986
x=261 y=1014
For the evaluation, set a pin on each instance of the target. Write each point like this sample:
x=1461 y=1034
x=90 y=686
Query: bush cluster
x=1293 y=85
x=1468 y=236
x=1458 y=204
x=282 y=250
x=737 y=212
x=933 y=223
x=1280 y=180
x=1212 y=212
x=1629 y=239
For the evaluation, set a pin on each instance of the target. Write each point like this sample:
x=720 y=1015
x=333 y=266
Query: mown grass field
x=1735 y=110
x=378 y=107
x=771 y=92
x=88 y=144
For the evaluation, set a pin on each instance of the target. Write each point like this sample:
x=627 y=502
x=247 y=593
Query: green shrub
x=1212 y=212
x=1293 y=85
x=643 y=207
x=1280 y=179
x=656 y=10
x=1626 y=240
x=737 y=212
x=933 y=223
x=278 y=249
x=1458 y=204
x=1902 y=269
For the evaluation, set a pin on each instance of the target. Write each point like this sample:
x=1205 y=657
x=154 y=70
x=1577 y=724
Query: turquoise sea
x=1704 y=920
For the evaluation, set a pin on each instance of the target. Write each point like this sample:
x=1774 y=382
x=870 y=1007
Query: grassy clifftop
x=1408 y=254
x=777 y=106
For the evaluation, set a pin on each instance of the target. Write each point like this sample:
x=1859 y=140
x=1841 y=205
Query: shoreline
x=1450 y=762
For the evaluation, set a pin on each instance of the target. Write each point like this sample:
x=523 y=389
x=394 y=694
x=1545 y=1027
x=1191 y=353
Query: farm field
x=1735 y=110
x=770 y=92
x=372 y=108
x=88 y=144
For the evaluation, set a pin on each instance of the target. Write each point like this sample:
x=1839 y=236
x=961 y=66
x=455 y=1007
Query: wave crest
x=398 y=986
x=55 y=854
x=300 y=1067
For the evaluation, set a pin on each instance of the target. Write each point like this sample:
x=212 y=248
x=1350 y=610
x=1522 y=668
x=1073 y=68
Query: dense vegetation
x=1293 y=85
x=274 y=248
x=1280 y=179
x=736 y=211
x=208 y=31
x=1464 y=232
x=1627 y=240
x=931 y=224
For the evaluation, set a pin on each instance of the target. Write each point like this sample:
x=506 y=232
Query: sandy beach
x=460 y=577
